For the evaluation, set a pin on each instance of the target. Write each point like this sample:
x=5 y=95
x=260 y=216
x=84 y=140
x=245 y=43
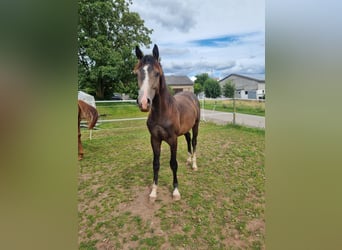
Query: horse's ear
x=155 y=52
x=138 y=52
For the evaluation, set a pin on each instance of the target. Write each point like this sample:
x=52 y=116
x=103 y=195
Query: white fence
x=211 y=114
x=205 y=115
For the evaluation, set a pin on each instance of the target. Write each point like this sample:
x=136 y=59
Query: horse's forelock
x=148 y=59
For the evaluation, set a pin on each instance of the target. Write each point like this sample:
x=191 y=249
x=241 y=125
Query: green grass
x=118 y=110
x=243 y=107
x=222 y=204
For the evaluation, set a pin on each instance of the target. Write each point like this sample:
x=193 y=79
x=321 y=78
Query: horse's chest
x=163 y=131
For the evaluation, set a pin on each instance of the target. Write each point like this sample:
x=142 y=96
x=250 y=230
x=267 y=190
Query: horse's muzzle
x=144 y=104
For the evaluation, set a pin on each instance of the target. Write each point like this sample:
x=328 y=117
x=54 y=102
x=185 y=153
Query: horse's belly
x=183 y=130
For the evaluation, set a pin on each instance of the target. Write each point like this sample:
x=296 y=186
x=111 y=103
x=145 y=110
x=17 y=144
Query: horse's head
x=149 y=72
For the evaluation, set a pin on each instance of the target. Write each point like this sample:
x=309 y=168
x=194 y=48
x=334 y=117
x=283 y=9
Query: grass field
x=117 y=110
x=222 y=204
x=242 y=106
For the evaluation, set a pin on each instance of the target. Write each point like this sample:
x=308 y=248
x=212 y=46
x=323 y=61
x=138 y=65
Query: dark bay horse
x=169 y=117
x=88 y=112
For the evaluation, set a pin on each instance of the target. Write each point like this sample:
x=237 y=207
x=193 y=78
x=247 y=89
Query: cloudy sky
x=219 y=37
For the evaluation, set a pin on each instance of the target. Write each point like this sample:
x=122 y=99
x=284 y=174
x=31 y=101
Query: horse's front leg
x=174 y=167
x=156 y=143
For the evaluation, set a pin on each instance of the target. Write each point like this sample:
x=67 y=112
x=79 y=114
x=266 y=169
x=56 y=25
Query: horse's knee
x=173 y=164
x=156 y=162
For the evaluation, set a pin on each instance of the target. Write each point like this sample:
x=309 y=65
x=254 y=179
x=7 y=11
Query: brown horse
x=88 y=112
x=169 y=117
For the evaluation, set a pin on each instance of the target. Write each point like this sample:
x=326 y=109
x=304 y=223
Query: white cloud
x=217 y=36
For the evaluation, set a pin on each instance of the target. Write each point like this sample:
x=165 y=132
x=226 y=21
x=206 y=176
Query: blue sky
x=218 y=37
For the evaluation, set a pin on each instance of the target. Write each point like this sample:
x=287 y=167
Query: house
x=245 y=87
x=179 y=83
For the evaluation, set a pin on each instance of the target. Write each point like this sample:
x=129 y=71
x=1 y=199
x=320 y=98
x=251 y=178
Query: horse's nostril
x=148 y=101
x=137 y=101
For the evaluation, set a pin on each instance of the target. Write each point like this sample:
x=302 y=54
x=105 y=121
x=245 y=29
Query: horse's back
x=189 y=110
x=188 y=101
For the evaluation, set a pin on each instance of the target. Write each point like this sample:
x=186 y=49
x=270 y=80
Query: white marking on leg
x=176 y=195
x=153 y=193
x=188 y=161
x=194 y=163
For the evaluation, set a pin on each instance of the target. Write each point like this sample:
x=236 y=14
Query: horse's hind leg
x=188 y=141
x=194 y=144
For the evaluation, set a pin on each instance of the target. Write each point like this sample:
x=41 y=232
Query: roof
x=87 y=98
x=241 y=76
x=178 y=80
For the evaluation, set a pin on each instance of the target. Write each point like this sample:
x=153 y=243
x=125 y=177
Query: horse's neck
x=163 y=100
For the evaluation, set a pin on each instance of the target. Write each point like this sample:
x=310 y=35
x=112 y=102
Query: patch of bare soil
x=145 y=209
x=256 y=225
x=234 y=240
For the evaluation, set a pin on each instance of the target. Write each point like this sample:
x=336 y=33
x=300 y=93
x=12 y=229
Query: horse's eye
x=156 y=74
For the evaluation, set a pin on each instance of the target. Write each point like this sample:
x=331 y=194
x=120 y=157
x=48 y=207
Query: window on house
x=177 y=90
x=246 y=92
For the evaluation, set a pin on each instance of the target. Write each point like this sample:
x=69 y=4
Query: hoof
x=195 y=168
x=152 y=199
x=153 y=194
x=176 y=195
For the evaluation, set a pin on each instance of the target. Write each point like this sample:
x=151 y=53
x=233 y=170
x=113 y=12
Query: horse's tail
x=94 y=117
x=89 y=113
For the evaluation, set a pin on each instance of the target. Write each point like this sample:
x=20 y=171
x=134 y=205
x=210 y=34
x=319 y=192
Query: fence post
x=202 y=112
x=234 y=109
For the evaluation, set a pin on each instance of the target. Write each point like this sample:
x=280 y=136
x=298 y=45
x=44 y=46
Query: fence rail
x=116 y=101
x=224 y=110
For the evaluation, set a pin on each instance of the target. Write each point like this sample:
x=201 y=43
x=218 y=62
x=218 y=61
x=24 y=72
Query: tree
x=212 y=88
x=229 y=89
x=197 y=88
x=107 y=35
x=199 y=82
x=200 y=79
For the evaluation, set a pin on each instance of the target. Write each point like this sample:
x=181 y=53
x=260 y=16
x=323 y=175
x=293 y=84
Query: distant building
x=179 y=83
x=246 y=87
